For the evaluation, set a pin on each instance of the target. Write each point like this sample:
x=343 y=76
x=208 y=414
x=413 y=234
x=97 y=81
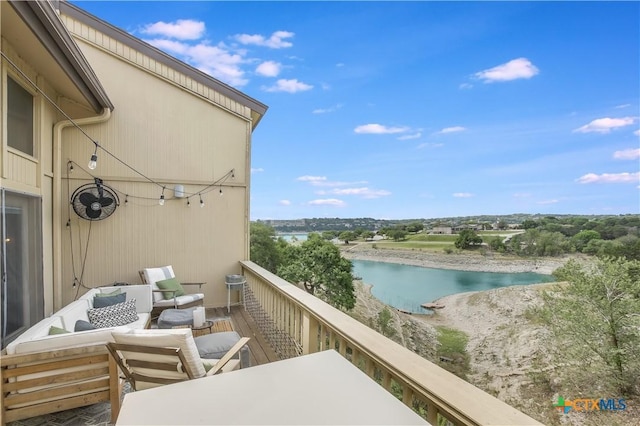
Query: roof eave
x=44 y=22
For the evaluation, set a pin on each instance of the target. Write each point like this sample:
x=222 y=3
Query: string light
x=188 y=202
x=93 y=163
x=221 y=194
x=161 y=201
x=70 y=168
x=201 y=202
x=126 y=199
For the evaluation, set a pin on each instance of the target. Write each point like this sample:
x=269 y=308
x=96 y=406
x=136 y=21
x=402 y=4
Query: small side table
x=205 y=328
x=235 y=282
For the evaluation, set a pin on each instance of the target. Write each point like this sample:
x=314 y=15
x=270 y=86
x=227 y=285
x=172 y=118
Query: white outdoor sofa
x=44 y=373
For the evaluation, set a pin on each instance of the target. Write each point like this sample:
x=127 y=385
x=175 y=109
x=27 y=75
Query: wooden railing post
x=309 y=334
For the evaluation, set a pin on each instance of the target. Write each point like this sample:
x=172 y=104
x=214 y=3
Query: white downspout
x=57 y=197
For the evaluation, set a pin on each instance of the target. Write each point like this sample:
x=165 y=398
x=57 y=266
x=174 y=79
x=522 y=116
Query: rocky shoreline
x=459 y=261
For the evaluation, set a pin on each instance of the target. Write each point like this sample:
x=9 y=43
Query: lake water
x=407 y=287
x=290 y=237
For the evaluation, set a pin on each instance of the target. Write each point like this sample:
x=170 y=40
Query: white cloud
x=328 y=202
x=465 y=86
x=546 y=202
x=216 y=61
x=605 y=125
x=362 y=192
x=454 y=129
x=512 y=70
x=289 y=86
x=284 y=202
x=182 y=29
x=269 y=69
x=521 y=195
x=327 y=110
x=409 y=137
x=609 y=178
x=314 y=180
x=379 y=129
x=623 y=106
x=276 y=41
x=637 y=132
x=257 y=170
x=627 y=154
x=462 y=194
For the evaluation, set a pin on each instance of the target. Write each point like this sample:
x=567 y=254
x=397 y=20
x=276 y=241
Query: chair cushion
x=170 y=284
x=114 y=315
x=182 y=300
x=152 y=275
x=174 y=338
x=215 y=345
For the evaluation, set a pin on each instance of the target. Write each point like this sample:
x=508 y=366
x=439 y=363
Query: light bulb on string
x=188 y=202
x=201 y=202
x=161 y=200
x=70 y=168
x=221 y=193
x=126 y=199
x=93 y=163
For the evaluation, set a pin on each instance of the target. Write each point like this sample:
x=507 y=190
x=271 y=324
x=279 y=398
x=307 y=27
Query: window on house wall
x=19 y=118
x=22 y=292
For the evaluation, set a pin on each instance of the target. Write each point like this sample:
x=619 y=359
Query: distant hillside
x=370 y=224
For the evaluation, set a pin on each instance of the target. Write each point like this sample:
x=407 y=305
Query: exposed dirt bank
x=467 y=261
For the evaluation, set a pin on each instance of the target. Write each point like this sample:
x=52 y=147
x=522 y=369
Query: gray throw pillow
x=103 y=302
x=82 y=325
x=217 y=344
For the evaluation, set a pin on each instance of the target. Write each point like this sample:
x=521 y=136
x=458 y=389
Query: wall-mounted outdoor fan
x=94 y=201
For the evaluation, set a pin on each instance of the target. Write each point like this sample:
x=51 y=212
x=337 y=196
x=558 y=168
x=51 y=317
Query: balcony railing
x=296 y=323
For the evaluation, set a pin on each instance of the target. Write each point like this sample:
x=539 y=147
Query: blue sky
x=421 y=109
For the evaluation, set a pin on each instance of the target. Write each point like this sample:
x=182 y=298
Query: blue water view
x=407 y=287
x=297 y=236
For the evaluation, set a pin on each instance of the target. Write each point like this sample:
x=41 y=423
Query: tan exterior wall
x=33 y=175
x=173 y=136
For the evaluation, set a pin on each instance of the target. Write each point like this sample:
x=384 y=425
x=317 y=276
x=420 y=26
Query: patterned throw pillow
x=114 y=315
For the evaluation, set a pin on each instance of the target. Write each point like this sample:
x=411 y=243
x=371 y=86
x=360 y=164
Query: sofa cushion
x=174 y=287
x=115 y=315
x=100 y=301
x=174 y=338
x=53 y=330
x=140 y=292
x=73 y=312
x=82 y=325
x=108 y=293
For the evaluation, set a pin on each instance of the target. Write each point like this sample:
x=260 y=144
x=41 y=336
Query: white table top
x=322 y=388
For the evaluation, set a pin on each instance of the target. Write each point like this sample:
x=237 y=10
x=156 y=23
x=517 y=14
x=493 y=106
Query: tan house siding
x=175 y=131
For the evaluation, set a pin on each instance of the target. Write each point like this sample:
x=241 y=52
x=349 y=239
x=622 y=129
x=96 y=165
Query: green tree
x=467 y=238
x=582 y=238
x=329 y=235
x=318 y=266
x=497 y=244
x=415 y=227
x=595 y=324
x=397 y=234
x=385 y=324
x=367 y=235
x=347 y=236
x=263 y=248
